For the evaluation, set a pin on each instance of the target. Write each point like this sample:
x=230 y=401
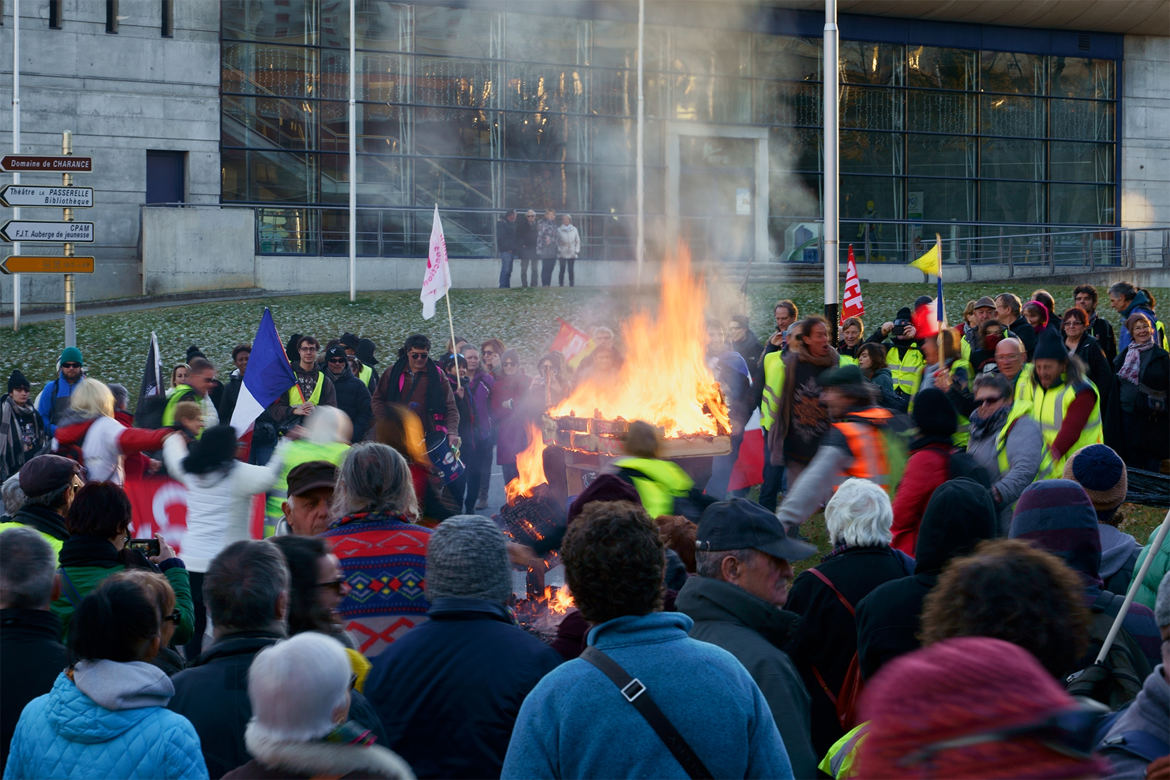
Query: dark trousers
x=561 y=263
x=193 y=648
x=547 y=265
x=527 y=261
x=510 y=471
x=505 y=270
x=478 y=470
x=773 y=480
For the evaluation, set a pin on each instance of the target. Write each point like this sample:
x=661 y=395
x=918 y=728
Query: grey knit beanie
x=467 y=557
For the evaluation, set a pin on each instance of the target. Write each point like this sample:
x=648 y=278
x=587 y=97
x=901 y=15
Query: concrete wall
x=196 y=248
x=1145 y=132
x=120 y=94
x=331 y=274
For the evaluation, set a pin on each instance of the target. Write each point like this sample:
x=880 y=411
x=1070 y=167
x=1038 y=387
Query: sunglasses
x=487 y=352
x=339 y=585
x=992 y=400
x=418 y=355
x=174 y=617
x=70 y=365
x=336 y=360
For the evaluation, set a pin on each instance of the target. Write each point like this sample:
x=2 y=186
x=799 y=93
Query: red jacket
x=926 y=469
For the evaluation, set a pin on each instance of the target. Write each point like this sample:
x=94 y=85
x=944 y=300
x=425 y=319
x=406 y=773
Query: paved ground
x=115 y=306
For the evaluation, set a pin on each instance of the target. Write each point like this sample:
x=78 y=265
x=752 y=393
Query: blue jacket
x=48 y=405
x=468 y=668
x=109 y=721
x=576 y=723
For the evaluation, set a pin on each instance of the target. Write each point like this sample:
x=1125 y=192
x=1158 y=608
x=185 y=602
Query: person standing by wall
x=568 y=247
x=546 y=246
x=506 y=246
x=526 y=248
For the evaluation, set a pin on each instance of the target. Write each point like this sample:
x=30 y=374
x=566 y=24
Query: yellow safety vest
x=53 y=541
x=313 y=398
x=773 y=386
x=963 y=432
x=847 y=361
x=1023 y=390
x=838 y=762
x=1018 y=410
x=663 y=481
x=168 y=415
x=1048 y=408
x=365 y=374
x=905 y=364
x=300 y=451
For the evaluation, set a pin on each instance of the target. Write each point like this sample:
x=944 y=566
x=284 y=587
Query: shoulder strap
x=1141 y=744
x=820 y=576
x=636 y=694
x=70 y=589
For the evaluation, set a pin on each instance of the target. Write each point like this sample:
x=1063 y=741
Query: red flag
x=851 y=304
x=749 y=466
x=569 y=341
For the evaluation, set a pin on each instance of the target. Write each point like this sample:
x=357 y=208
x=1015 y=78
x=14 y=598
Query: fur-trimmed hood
x=325 y=758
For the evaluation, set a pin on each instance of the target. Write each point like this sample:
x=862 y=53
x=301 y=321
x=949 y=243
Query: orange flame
x=530 y=464
x=664 y=378
x=559 y=601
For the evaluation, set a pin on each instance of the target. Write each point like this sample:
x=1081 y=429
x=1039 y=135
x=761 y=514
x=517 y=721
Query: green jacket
x=86 y=561
x=1147 y=592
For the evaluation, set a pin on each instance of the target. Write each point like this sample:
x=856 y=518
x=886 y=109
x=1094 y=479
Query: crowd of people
x=970 y=482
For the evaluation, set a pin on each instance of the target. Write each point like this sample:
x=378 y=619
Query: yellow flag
x=930 y=263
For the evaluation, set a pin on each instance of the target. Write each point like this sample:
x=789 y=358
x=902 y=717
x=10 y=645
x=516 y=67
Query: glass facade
x=492 y=106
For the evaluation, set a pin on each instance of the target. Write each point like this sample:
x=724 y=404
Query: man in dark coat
x=526 y=233
x=858 y=518
x=352 y=396
x=1008 y=312
x=30 y=641
x=958 y=516
x=467 y=668
x=49 y=483
x=743 y=560
x=247 y=591
x=417 y=382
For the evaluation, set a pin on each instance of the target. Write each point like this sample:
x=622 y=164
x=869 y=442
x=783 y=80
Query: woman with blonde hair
x=90 y=434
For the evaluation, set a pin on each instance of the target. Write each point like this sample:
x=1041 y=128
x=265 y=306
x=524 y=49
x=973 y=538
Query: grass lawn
x=115 y=345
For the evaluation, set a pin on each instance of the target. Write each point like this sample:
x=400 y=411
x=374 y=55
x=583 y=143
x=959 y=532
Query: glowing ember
x=559 y=600
x=530 y=465
x=664 y=378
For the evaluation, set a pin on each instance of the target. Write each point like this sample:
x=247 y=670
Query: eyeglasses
x=487 y=352
x=339 y=585
x=70 y=365
x=174 y=617
x=418 y=355
x=308 y=348
x=990 y=400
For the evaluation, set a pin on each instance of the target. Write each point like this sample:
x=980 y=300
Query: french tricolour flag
x=267 y=376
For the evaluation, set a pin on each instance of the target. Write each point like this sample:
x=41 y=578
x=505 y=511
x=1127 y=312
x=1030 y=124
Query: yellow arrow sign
x=29 y=264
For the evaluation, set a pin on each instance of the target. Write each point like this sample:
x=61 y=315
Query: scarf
x=993 y=423
x=1133 y=357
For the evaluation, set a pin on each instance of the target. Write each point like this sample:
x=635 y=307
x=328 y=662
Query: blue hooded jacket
x=1140 y=303
x=110 y=720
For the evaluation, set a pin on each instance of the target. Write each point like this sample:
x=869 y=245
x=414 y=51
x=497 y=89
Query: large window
x=480 y=109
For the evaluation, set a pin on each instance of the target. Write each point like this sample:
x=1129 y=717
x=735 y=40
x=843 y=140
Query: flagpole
x=939 y=305
x=352 y=157
x=454 y=354
x=832 y=214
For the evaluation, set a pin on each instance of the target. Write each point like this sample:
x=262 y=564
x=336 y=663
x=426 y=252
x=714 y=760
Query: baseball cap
x=310 y=476
x=45 y=473
x=740 y=524
x=986 y=302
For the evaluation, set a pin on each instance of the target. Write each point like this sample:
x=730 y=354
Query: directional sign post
x=71 y=197
x=31 y=264
x=56 y=164
x=31 y=230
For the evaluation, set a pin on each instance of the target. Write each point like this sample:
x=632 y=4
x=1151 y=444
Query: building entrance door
x=717 y=192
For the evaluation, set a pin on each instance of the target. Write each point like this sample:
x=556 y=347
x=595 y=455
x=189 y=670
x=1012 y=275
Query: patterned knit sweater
x=383 y=559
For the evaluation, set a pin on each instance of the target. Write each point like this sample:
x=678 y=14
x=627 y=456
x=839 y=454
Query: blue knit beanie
x=1057 y=516
x=1099 y=470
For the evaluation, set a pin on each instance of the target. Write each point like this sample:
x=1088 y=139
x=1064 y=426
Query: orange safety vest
x=867 y=444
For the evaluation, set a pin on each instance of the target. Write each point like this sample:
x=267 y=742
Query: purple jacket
x=481 y=394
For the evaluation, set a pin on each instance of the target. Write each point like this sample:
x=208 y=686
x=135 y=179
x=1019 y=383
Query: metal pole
x=640 y=138
x=832 y=210
x=16 y=148
x=352 y=156
x=67 y=216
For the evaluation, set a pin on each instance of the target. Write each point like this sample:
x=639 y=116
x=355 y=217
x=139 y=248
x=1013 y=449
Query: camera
x=899 y=328
x=148 y=547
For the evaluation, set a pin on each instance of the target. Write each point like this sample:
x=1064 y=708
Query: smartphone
x=149 y=547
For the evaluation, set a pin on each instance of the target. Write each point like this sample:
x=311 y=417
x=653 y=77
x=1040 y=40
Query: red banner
x=159 y=506
x=851 y=303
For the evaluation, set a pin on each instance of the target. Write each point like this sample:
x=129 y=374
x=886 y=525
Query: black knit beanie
x=17 y=381
x=1050 y=347
x=214 y=450
x=934 y=413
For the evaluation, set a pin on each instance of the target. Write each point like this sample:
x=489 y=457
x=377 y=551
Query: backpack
x=1118 y=680
x=845 y=699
